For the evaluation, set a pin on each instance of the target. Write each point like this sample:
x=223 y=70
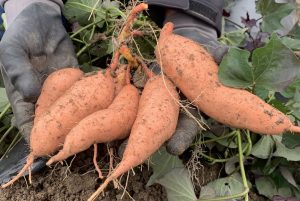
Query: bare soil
x=78 y=181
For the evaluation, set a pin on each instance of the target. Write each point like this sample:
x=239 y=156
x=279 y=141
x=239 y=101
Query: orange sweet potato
x=54 y=86
x=195 y=73
x=89 y=94
x=155 y=123
x=106 y=125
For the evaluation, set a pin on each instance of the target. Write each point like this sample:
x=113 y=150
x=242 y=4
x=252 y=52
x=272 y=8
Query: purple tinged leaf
x=250 y=23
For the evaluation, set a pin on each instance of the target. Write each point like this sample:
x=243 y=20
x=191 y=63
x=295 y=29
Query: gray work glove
x=199 y=20
x=34 y=45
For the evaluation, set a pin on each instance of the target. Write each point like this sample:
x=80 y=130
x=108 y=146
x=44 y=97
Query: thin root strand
x=29 y=162
x=95 y=162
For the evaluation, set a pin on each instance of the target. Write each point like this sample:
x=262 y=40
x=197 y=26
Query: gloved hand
x=199 y=20
x=34 y=45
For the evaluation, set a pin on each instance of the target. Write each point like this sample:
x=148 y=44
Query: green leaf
x=178 y=185
x=264 y=147
x=80 y=10
x=275 y=65
x=291 y=140
x=233 y=38
x=295 y=32
x=102 y=49
x=235 y=70
x=293 y=90
x=289 y=154
x=273 y=13
x=279 y=105
x=268 y=188
x=230 y=185
x=112 y=7
x=162 y=163
x=286 y=173
x=231 y=165
x=291 y=43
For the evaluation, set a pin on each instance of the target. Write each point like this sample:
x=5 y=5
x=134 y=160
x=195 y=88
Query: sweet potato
x=89 y=94
x=155 y=123
x=54 y=86
x=113 y=123
x=195 y=73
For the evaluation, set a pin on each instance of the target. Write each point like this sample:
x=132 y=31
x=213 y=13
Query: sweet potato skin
x=106 y=125
x=195 y=73
x=54 y=86
x=86 y=96
x=155 y=123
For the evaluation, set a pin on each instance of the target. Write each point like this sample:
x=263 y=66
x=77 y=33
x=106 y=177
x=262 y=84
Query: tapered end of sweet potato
x=61 y=155
x=29 y=162
x=295 y=129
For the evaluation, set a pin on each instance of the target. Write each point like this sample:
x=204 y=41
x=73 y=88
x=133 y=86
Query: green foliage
x=230 y=71
x=291 y=43
x=162 y=162
x=263 y=148
x=273 y=13
x=234 y=38
x=178 y=185
x=227 y=186
x=169 y=171
x=267 y=187
x=83 y=11
x=272 y=67
x=268 y=66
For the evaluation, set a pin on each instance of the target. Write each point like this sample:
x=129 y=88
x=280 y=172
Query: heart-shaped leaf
x=289 y=154
x=230 y=185
x=274 y=67
x=264 y=147
x=178 y=185
x=162 y=163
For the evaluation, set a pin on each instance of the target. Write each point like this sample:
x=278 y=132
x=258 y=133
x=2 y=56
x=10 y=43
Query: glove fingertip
x=176 y=148
x=29 y=87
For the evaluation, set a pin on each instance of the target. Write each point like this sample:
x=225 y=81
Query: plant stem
x=12 y=144
x=244 y=179
x=7 y=106
x=6 y=133
x=3 y=128
x=241 y=160
x=83 y=49
x=95 y=59
x=92 y=33
x=222 y=160
x=84 y=28
x=214 y=160
x=77 y=40
x=218 y=138
x=249 y=141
